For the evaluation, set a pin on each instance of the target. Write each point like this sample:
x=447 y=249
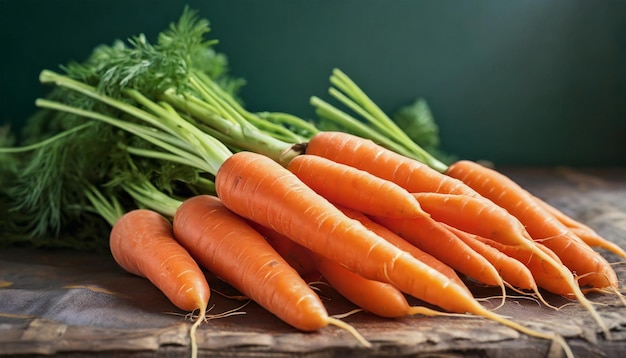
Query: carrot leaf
x=417 y=121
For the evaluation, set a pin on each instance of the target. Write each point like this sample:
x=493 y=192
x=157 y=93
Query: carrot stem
x=44 y=142
x=203 y=149
x=110 y=209
x=326 y=110
x=386 y=132
x=304 y=128
x=147 y=195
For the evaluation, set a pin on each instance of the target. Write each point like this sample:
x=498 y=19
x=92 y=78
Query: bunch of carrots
x=274 y=199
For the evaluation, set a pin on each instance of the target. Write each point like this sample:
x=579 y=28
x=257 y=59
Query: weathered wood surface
x=68 y=303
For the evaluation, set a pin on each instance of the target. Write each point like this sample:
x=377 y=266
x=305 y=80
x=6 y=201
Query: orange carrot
x=259 y=189
x=475 y=215
x=409 y=174
x=296 y=256
x=376 y=297
x=431 y=237
x=546 y=276
x=404 y=245
x=584 y=232
x=366 y=155
x=512 y=271
x=353 y=188
x=379 y=298
x=227 y=246
x=480 y=217
x=142 y=243
x=575 y=255
x=539 y=223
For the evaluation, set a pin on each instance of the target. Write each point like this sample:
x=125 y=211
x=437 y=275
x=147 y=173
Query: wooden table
x=70 y=304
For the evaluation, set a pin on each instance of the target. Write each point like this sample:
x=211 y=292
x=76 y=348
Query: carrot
x=227 y=246
x=430 y=236
x=484 y=220
x=296 y=256
x=366 y=155
x=259 y=189
x=539 y=223
x=512 y=271
x=142 y=243
x=575 y=255
x=404 y=245
x=353 y=188
x=547 y=277
x=410 y=174
x=379 y=298
x=475 y=215
x=584 y=232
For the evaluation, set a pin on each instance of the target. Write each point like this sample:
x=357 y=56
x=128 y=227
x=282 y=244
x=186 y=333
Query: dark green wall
x=515 y=82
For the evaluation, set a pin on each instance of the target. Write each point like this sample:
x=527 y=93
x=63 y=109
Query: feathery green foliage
x=65 y=155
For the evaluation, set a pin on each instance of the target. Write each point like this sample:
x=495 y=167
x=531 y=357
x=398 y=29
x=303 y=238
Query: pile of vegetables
x=153 y=141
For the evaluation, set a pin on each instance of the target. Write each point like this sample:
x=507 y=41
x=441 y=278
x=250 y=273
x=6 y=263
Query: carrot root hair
x=535 y=293
x=425 y=311
x=203 y=316
x=556 y=338
x=350 y=329
x=193 y=339
x=604 y=290
x=576 y=290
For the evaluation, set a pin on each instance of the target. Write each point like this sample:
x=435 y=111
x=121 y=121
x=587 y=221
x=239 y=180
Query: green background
x=514 y=82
